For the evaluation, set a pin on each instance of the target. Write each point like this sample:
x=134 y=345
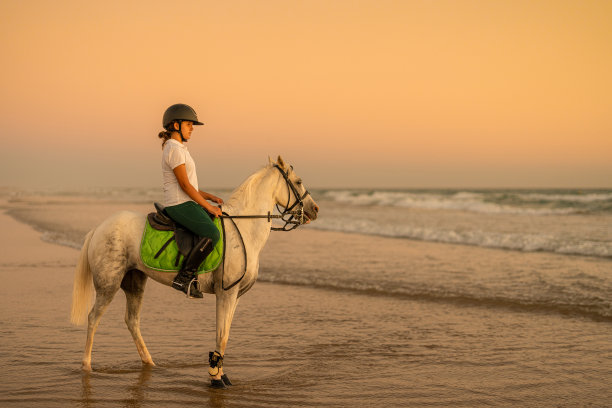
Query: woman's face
x=187 y=128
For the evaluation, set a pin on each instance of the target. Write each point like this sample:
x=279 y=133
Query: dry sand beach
x=314 y=331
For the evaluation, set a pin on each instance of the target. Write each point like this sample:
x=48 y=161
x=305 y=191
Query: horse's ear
x=281 y=163
x=270 y=162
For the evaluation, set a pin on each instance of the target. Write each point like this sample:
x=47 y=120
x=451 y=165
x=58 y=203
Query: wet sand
x=290 y=345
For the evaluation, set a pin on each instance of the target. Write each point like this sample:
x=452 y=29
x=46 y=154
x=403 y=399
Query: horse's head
x=292 y=194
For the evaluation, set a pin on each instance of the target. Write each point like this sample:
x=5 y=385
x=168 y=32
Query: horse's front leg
x=226 y=306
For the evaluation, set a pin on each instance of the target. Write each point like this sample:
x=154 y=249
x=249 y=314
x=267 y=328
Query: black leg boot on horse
x=187 y=279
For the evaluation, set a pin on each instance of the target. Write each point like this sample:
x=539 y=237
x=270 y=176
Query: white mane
x=245 y=192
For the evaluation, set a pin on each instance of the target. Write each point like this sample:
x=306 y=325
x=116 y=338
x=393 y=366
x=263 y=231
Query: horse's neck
x=255 y=199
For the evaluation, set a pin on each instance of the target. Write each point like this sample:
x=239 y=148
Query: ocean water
x=562 y=221
x=576 y=225
x=399 y=297
x=574 y=222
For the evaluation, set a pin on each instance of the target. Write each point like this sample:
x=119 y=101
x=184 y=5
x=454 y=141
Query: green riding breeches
x=193 y=217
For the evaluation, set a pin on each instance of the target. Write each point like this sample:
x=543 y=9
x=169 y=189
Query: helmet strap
x=180 y=123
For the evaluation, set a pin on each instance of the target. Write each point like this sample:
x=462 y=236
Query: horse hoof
x=217 y=384
x=226 y=380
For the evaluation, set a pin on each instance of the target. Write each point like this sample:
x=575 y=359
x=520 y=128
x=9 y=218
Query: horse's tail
x=83 y=285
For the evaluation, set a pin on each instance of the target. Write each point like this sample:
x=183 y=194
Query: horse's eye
x=299 y=182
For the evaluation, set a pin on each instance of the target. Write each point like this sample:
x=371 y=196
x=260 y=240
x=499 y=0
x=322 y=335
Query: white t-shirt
x=175 y=153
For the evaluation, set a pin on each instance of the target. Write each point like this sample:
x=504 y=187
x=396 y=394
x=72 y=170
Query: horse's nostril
x=316 y=208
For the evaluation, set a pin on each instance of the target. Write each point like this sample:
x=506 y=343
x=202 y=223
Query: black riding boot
x=183 y=279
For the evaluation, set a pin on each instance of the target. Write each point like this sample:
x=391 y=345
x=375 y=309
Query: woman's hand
x=218 y=200
x=215 y=211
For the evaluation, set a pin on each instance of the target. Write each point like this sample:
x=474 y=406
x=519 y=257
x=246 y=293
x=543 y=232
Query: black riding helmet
x=178 y=113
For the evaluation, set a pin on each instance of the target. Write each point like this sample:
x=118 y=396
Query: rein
x=243 y=251
x=287 y=212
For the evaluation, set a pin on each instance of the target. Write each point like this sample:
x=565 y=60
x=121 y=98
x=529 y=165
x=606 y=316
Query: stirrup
x=196 y=285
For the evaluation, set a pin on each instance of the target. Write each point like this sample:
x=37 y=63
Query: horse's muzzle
x=310 y=213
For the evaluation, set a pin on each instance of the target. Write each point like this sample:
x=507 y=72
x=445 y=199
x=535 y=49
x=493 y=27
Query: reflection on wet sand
x=86 y=393
x=217 y=398
x=136 y=393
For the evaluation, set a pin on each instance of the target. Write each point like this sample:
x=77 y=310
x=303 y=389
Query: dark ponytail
x=165 y=135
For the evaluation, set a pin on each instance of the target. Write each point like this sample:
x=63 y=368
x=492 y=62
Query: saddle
x=185 y=239
x=165 y=244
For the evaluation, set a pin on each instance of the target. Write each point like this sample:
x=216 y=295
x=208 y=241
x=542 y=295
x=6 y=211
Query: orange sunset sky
x=353 y=93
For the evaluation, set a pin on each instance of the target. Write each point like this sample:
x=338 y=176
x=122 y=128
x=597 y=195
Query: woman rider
x=184 y=202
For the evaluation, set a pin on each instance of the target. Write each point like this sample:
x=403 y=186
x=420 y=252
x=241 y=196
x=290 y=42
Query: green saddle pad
x=153 y=240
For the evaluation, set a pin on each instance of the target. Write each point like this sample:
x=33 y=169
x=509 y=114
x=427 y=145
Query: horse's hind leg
x=133 y=284
x=103 y=299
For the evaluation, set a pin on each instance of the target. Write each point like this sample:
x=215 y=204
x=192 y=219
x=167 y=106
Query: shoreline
x=17 y=235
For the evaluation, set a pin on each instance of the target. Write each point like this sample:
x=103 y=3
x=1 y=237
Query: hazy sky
x=353 y=93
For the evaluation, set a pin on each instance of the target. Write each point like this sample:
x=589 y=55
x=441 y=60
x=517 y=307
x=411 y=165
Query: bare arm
x=211 y=197
x=183 y=180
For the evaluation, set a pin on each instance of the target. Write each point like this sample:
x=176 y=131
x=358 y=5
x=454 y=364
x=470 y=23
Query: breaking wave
x=512 y=241
x=491 y=202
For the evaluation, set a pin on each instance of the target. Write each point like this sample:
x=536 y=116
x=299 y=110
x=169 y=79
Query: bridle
x=292 y=215
x=296 y=217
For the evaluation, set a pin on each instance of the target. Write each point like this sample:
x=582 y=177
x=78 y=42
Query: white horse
x=110 y=259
